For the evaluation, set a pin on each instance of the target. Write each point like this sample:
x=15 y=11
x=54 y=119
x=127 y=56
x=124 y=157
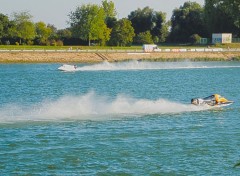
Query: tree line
x=91 y=24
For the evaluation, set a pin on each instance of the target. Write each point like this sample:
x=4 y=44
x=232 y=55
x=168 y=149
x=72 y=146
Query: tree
x=232 y=7
x=122 y=33
x=109 y=9
x=4 y=22
x=186 y=21
x=64 y=34
x=25 y=28
x=88 y=23
x=43 y=32
x=110 y=13
x=142 y=20
x=7 y=27
x=194 y=39
x=54 y=31
x=144 y=38
x=160 y=30
x=223 y=16
x=148 y=20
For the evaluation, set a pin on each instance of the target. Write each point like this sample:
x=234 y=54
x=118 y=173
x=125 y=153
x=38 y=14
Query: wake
x=91 y=106
x=142 y=65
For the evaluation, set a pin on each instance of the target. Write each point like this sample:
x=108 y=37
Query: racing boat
x=66 y=67
x=213 y=100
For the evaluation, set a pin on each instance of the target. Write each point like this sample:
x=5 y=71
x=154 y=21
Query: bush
x=194 y=39
x=144 y=38
x=59 y=43
x=30 y=42
x=7 y=42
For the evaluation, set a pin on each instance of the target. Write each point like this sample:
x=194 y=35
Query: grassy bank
x=36 y=47
x=161 y=46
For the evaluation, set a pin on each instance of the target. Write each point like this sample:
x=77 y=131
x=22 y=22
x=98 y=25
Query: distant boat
x=68 y=68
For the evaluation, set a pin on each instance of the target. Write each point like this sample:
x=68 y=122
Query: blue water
x=131 y=118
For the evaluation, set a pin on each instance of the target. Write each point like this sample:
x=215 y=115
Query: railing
x=124 y=51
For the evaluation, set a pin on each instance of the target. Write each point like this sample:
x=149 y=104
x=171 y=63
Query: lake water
x=131 y=118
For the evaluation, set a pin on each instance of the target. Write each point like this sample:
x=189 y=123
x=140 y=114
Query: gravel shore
x=74 y=57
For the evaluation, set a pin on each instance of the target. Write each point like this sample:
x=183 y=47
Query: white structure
x=203 y=41
x=222 y=38
x=151 y=48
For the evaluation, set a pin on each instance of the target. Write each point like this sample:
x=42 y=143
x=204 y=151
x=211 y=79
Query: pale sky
x=56 y=11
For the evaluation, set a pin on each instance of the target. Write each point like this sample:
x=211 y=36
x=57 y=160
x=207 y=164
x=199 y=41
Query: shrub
x=59 y=43
x=30 y=42
x=144 y=38
x=194 y=39
x=7 y=42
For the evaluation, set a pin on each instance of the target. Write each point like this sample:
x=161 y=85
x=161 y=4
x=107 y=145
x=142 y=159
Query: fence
x=125 y=51
x=235 y=40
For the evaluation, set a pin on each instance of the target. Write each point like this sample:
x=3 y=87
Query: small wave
x=91 y=106
x=142 y=65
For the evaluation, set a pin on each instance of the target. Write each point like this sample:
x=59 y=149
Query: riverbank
x=91 y=57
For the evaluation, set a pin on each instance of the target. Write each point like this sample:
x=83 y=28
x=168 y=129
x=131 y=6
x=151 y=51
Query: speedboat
x=212 y=100
x=67 y=67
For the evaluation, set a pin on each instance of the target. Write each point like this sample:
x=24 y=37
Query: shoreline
x=92 y=57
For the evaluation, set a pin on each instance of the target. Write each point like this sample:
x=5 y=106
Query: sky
x=56 y=12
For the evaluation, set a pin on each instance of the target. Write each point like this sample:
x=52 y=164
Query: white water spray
x=143 y=65
x=92 y=107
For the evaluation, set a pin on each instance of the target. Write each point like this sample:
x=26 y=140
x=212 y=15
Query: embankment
x=88 y=57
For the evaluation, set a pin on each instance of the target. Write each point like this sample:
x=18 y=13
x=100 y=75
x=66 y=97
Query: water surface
x=131 y=118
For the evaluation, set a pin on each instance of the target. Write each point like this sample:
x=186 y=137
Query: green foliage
x=30 y=42
x=22 y=17
x=194 y=39
x=223 y=17
x=142 y=20
x=186 y=21
x=160 y=29
x=144 y=38
x=4 y=21
x=59 y=43
x=147 y=19
x=26 y=31
x=110 y=13
x=7 y=27
x=53 y=34
x=42 y=32
x=98 y=23
x=25 y=28
x=122 y=33
x=232 y=8
x=88 y=23
x=64 y=33
x=109 y=9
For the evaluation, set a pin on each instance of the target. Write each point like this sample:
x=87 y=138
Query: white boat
x=68 y=68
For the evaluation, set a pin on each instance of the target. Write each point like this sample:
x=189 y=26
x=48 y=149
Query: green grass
x=228 y=45
x=37 y=47
x=161 y=46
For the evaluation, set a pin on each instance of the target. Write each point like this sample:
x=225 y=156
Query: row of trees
x=98 y=24
x=21 y=30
